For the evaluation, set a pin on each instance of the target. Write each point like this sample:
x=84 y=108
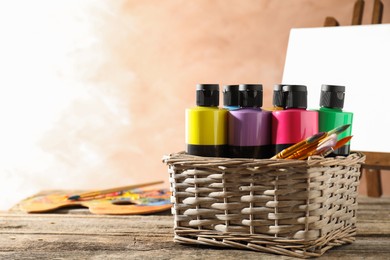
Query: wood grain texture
x=49 y=236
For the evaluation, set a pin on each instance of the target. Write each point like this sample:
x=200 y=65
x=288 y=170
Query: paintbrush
x=94 y=194
x=315 y=148
x=324 y=145
x=307 y=149
x=339 y=130
x=339 y=144
x=300 y=145
x=309 y=143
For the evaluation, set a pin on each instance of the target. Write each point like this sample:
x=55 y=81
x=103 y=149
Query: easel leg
x=374 y=183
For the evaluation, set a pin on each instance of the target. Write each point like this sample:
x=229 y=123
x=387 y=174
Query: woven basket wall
x=297 y=208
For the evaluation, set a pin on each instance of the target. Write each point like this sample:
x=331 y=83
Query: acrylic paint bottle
x=277 y=99
x=206 y=124
x=294 y=123
x=250 y=126
x=231 y=97
x=331 y=114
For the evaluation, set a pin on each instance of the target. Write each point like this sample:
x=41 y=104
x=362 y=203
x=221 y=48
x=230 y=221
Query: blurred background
x=92 y=93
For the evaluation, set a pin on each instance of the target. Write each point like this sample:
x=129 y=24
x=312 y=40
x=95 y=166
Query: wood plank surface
x=75 y=236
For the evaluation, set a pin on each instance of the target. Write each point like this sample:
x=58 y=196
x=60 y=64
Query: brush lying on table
x=109 y=192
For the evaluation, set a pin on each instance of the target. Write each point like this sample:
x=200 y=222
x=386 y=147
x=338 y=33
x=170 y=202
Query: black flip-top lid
x=207 y=95
x=295 y=96
x=277 y=99
x=231 y=96
x=251 y=95
x=332 y=96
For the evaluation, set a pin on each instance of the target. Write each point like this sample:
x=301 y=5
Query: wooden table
x=81 y=236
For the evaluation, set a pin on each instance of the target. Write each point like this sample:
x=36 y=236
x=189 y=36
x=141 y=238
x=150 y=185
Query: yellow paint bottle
x=206 y=124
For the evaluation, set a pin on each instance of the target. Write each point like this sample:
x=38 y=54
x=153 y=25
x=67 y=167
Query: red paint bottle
x=294 y=123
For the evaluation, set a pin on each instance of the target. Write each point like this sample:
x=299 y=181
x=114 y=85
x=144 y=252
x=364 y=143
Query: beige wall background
x=93 y=93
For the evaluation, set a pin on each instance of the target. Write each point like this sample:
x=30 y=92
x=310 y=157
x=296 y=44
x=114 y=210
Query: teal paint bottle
x=331 y=115
x=231 y=97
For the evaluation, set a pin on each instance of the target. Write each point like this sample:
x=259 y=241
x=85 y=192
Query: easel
x=375 y=161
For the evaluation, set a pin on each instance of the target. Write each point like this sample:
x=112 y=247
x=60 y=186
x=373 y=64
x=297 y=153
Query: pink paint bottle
x=294 y=123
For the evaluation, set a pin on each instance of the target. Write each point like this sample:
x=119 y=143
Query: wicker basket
x=299 y=208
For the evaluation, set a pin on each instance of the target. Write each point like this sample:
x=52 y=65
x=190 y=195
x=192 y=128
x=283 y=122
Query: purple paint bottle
x=249 y=133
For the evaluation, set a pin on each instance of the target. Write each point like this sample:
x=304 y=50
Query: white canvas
x=356 y=57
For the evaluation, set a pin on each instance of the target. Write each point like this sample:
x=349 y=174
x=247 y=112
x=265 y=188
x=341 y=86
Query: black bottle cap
x=332 y=96
x=277 y=99
x=251 y=95
x=295 y=96
x=231 y=95
x=207 y=95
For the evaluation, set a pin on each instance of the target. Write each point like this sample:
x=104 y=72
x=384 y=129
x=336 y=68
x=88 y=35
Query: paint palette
x=132 y=202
